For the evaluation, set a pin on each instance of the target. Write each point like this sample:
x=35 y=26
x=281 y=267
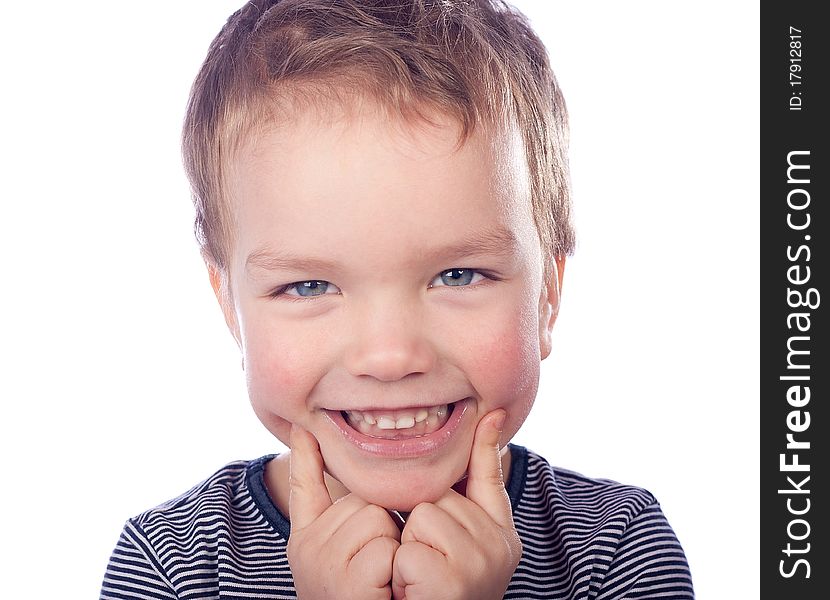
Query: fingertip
x=497 y=421
x=299 y=437
x=304 y=456
x=490 y=428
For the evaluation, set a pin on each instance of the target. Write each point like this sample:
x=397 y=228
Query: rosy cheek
x=507 y=365
x=274 y=375
x=273 y=392
x=275 y=356
x=270 y=373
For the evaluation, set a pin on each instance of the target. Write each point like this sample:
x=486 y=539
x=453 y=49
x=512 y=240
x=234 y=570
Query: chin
x=401 y=498
x=402 y=490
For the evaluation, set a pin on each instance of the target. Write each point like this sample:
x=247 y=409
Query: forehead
x=356 y=171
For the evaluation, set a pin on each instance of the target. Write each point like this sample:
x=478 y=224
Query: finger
x=485 y=482
x=367 y=523
x=432 y=525
x=372 y=566
x=308 y=497
x=338 y=514
x=469 y=515
x=417 y=565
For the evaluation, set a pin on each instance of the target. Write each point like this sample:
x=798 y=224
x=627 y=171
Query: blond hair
x=476 y=60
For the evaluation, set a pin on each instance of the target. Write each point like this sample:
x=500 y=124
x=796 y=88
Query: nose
x=388 y=343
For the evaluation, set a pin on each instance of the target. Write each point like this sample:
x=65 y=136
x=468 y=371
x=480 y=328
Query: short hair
x=478 y=61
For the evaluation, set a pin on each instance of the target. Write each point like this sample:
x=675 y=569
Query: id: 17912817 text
x=796 y=70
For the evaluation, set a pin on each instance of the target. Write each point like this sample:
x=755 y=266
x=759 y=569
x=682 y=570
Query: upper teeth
x=398 y=419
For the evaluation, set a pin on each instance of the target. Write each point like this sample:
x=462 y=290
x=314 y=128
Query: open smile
x=402 y=433
x=399 y=424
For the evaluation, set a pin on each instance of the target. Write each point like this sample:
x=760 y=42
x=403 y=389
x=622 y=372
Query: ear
x=549 y=305
x=221 y=289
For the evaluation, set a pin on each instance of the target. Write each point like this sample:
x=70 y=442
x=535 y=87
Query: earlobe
x=221 y=289
x=549 y=305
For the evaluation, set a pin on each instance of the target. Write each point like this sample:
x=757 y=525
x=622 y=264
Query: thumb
x=308 y=496
x=485 y=482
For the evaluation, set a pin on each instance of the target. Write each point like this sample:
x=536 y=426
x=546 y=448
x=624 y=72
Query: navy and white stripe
x=582 y=538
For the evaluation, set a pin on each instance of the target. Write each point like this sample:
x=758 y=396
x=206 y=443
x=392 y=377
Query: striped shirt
x=582 y=538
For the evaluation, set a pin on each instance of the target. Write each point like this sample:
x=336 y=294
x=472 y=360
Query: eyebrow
x=494 y=242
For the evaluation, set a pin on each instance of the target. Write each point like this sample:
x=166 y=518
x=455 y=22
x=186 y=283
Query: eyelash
x=281 y=291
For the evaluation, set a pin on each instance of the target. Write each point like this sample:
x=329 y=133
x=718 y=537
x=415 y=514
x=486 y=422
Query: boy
x=382 y=202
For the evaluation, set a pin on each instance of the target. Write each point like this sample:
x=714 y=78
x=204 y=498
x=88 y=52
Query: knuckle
x=298 y=483
x=374 y=512
x=387 y=545
x=494 y=477
x=421 y=511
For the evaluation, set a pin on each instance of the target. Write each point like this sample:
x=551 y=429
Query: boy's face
x=419 y=304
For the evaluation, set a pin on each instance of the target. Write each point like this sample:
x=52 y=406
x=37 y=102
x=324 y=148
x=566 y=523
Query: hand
x=337 y=550
x=462 y=548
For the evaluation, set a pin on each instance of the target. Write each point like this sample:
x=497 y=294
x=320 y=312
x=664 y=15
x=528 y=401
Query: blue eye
x=457 y=277
x=309 y=289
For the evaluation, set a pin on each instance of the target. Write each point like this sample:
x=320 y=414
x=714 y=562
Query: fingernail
x=498 y=421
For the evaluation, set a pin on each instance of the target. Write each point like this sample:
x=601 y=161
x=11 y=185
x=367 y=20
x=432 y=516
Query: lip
x=404 y=448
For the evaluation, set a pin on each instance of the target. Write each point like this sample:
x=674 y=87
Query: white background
x=120 y=387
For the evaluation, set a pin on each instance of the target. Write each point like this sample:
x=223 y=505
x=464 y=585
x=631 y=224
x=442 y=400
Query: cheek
x=504 y=365
x=279 y=376
x=272 y=370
